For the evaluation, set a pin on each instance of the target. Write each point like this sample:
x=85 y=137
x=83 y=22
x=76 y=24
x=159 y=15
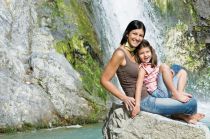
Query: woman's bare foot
x=198 y=116
x=192 y=119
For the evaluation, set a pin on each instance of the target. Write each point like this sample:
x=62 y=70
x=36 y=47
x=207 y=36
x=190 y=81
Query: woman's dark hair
x=135 y=24
x=145 y=44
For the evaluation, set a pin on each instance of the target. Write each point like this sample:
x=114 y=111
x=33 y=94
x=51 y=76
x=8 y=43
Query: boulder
x=119 y=125
x=38 y=86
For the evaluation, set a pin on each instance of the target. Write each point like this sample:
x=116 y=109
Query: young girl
x=151 y=74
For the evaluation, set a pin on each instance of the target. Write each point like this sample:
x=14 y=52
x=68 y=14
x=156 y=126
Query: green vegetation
x=83 y=62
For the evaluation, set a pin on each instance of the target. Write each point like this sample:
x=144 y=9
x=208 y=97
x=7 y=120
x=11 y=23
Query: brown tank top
x=128 y=75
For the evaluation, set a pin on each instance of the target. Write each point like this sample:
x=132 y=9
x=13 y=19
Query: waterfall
x=111 y=18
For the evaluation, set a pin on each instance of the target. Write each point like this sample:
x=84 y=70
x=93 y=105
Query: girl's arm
x=139 y=85
x=109 y=72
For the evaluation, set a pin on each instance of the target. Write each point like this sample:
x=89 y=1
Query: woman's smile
x=135 y=37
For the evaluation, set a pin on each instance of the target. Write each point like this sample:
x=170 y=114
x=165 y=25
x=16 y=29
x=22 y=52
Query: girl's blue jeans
x=168 y=106
x=160 y=101
x=162 y=91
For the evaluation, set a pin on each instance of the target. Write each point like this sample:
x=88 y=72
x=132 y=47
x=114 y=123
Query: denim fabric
x=168 y=106
x=162 y=91
x=176 y=68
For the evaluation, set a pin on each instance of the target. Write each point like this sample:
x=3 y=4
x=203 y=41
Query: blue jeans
x=176 y=68
x=162 y=91
x=161 y=103
x=168 y=106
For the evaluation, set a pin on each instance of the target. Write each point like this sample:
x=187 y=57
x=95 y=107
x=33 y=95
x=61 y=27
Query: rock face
x=37 y=85
x=118 y=125
x=202 y=8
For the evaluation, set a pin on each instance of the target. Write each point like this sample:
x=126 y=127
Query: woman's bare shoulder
x=119 y=52
x=118 y=57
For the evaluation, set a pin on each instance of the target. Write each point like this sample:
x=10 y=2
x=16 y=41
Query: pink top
x=150 y=79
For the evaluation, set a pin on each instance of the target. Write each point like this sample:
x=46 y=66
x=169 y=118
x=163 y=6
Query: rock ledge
x=118 y=125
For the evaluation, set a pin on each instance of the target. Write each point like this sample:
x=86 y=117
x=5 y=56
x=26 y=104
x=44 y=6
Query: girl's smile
x=145 y=54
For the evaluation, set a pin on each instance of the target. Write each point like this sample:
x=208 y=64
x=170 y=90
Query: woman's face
x=135 y=37
x=145 y=54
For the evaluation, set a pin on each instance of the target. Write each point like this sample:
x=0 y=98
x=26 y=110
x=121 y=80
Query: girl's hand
x=135 y=111
x=182 y=97
x=129 y=103
x=187 y=94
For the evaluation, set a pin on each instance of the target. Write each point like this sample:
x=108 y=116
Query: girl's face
x=135 y=37
x=145 y=54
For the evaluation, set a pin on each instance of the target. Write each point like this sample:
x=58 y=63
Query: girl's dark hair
x=145 y=44
x=135 y=24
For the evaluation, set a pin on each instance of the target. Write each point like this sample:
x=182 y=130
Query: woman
x=124 y=65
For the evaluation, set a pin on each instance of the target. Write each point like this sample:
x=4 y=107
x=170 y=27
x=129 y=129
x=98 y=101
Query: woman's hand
x=129 y=103
x=135 y=111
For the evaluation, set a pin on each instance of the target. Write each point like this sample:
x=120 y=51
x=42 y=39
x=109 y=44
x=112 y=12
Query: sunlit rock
x=119 y=125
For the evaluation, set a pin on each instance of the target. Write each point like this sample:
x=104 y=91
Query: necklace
x=129 y=48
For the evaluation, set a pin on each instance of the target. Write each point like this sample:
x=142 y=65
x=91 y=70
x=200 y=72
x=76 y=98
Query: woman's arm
x=139 y=85
x=109 y=72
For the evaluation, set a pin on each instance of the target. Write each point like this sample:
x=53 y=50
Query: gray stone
x=21 y=103
x=61 y=82
x=37 y=85
x=119 y=125
x=202 y=7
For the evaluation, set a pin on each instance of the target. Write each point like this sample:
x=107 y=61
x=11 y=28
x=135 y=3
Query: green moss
x=83 y=62
x=193 y=12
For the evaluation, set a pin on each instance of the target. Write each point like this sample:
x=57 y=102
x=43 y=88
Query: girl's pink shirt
x=150 y=79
